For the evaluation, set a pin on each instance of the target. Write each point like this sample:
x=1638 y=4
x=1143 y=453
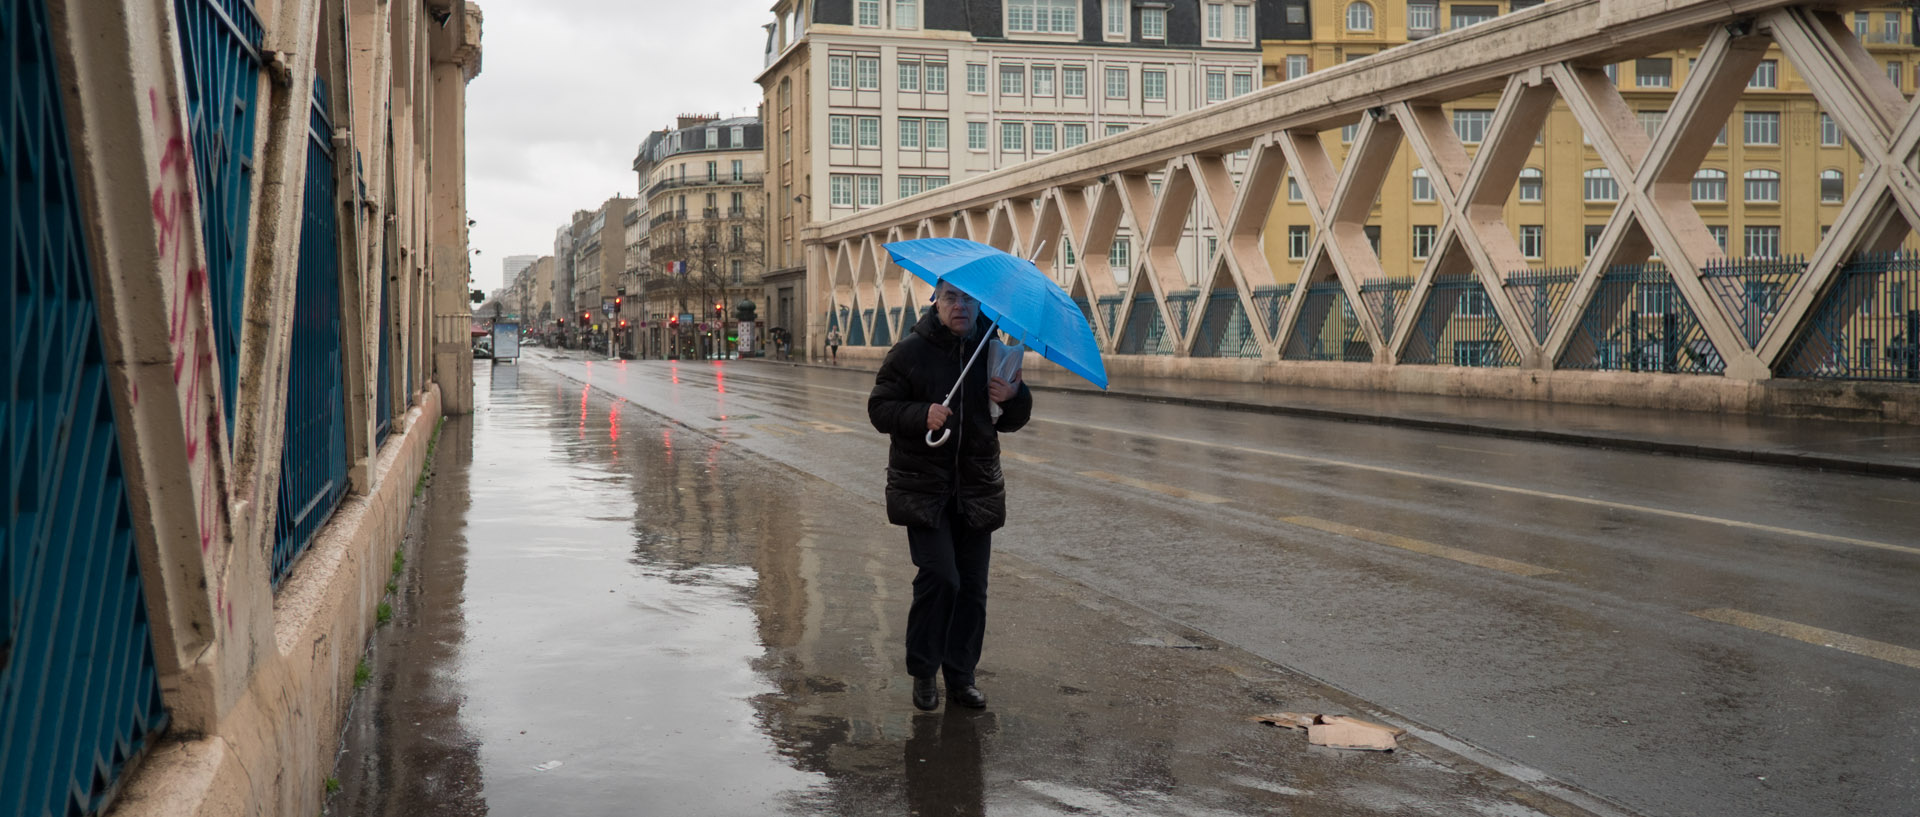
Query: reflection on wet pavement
x=611 y=613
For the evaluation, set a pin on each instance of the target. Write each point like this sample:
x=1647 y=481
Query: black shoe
x=926 y=694
x=968 y=695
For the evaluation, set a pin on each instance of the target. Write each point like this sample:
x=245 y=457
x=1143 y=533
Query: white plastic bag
x=1003 y=361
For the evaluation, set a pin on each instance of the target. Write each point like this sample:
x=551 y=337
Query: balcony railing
x=722 y=180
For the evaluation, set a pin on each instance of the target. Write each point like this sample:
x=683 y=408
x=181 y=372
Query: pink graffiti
x=190 y=337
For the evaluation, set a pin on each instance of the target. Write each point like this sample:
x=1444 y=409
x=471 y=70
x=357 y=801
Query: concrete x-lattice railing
x=1533 y=57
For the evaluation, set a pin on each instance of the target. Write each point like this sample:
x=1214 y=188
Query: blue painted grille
x=79 y=693
x=1638 y=321
x=1459 y=327
x=1539 y=295
x=220 y=42
x=313 y=461
x=383 y=383
x=1867 y=326
x=1327 y=328
x=1225 y=330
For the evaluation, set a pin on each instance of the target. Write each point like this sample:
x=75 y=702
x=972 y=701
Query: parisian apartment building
x=701 y=185
x=871 y=101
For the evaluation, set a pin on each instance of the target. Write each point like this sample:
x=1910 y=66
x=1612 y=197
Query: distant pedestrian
x=833 y=345
x=950 y=498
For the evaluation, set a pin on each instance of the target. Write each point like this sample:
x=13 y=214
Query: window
x=1216 y=86
x=1294 y=193
x=1013 y=80
x=1073 y=135
x=910 y=76
x=1299 y=237
x=1862 y=23
x=737 y=202
x=936 y=77
x=1153 y=24
x=1423 y=235
x=1592 y=242
x=1464 y=16
x=1073 y=81
x=1242 y=84
x=1829 y=132
x=1891 y=28
x=1243 y=22
x=1653 y=72
x=1296 y=66
x=976 y=78
x=840 y=190
x=1650 y=121
x=1761 y=128
x=1422 y=185
x=867 y=72
x=1042 y=137
x=1359 y=17
x=1471 y=126
x=1348 y=132
x=1043 y=80
x=1600 y=185
x=1893 y=74
x=1043 y=16
x=1153 y=85
x=867 y=13
x=1763 y=185
x=1532 y=239
x=1474 y=303
x=906 y=13
x=936 y=182
x=1719 y=233
x=840 y=131
x=869 y=127
x=909 y=186
x=713 y=172
x=909 y=133
x=1533 y=184
x=1216 y=21
x=1373 y=237
x=1709 y=184
x=1115 y=130
x=869 y=187
x=976 y=136
x=936 y=134
x=1423 y=17
x=739 y=170
x=1013 y=137
x=1120 y=255
x=1833 y=187
x=840 y=73
x=1763 y=242
x=1116 y=83
x=1116 y=17
x=1765 y=75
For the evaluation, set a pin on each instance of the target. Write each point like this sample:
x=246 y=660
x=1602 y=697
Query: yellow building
x=1770 y=187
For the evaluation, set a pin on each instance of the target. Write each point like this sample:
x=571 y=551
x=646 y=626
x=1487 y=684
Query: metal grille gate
x=79 y=693
x=313 y=460
x=220 y=42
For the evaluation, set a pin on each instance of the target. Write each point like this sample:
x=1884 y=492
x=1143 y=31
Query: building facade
x=871 y=102
x=701 y=182
x=1771 y=185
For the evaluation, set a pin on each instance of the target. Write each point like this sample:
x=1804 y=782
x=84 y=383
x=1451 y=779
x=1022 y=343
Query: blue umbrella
x=1015 y=295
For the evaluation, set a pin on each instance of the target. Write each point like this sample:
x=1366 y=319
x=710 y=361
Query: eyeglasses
x=954 y=296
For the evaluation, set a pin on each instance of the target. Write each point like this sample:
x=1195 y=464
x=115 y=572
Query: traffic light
x=585 y=317
x=617 y=301
x=673 y=322
x=563 y=323
x=623 y=323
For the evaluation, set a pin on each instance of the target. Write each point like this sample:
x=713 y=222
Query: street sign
x=607 y=306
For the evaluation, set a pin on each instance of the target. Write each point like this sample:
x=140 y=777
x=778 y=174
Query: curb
x=1818 y=462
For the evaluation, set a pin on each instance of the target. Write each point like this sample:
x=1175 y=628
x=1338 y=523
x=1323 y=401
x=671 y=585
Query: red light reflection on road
x=583 y=409
x=613 y=424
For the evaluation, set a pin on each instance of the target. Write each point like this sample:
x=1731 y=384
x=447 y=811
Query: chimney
x=694 y=120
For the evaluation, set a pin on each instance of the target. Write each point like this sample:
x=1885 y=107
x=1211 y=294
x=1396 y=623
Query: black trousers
x=948 y=619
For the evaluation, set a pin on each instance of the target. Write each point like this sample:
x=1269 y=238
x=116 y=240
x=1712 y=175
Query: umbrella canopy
x=1012 y=293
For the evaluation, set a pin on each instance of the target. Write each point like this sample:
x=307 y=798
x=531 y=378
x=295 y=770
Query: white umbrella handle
x=947 y=432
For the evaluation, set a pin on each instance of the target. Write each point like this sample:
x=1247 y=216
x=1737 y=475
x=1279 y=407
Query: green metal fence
x=1866 y=326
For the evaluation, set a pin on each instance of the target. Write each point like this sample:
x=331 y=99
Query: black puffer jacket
x=920 y=480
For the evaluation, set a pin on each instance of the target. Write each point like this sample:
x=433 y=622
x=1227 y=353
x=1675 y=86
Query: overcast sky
x=568 y=88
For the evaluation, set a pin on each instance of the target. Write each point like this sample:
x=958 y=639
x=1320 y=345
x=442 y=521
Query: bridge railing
x=1280 y=289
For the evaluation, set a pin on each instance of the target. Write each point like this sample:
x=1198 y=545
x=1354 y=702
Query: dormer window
x=1043 y=16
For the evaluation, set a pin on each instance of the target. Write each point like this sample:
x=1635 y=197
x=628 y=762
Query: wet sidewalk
x=605 y=612
x=1863 y=447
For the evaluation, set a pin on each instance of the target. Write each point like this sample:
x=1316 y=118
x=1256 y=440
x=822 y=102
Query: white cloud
x=567 y=90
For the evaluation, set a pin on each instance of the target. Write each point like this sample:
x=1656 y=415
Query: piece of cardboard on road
x=1341 y=732
x=1290 y=720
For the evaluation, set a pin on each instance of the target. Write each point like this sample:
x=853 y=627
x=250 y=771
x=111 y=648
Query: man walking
x=950 y=498
x=833 y=345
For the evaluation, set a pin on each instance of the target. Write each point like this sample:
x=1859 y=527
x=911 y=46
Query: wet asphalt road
x=676 y=580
